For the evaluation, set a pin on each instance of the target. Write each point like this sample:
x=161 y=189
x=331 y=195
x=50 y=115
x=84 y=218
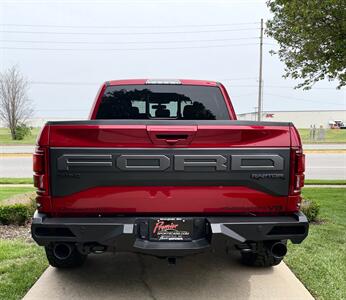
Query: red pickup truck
x=163 y=167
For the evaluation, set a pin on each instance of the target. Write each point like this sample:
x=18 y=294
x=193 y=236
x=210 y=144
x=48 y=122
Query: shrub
x=17 y=214
x=22 y=131
x=311 y=209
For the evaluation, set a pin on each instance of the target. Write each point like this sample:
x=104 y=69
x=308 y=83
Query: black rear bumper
x=130 y=233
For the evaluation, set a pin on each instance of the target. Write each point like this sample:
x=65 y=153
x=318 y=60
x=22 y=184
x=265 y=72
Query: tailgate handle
x=171 y=137
x=171 y=142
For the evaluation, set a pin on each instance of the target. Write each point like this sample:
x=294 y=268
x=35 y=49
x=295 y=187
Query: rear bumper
x=130 y=233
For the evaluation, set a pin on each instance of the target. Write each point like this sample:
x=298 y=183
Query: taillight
x=300 y=162
x=38 y=162
x=40 y=170
x=297 y=171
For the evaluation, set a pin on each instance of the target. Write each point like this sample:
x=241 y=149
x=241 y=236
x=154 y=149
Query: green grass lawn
x=331 y=136
x=320 y=261
x=5 y=137
x=11 y=191
x=5 y=180
x=21 y=264
x=321 y=181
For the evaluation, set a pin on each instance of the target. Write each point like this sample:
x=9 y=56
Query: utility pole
x=259 y=111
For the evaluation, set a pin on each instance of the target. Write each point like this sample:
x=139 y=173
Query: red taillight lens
x=300 y=162
x=38 y=162
x=297 y=171
x=299 y=181
x=40 y=170
x=39 y=181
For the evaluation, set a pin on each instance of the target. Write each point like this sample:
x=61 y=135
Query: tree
x=312 y=39
x=15 y=107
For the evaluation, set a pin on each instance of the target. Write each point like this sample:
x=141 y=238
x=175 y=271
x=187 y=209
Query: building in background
x=301 y=119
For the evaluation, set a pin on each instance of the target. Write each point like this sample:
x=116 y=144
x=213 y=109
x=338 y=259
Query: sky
x=66 y=49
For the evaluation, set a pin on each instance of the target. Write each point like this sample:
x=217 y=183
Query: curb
x=15 y=155
x=16 y=185
x=334 y=186
x=324 y=151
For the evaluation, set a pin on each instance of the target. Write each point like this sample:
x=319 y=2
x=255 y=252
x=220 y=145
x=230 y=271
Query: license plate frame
x=171 y=229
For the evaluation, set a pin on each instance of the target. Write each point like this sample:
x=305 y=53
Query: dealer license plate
x=171 y=229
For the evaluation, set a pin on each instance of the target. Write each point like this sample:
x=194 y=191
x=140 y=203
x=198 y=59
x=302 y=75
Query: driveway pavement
x=130 y=276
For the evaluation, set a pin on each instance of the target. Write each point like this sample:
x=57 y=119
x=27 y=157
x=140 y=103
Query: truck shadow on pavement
x=131 y=276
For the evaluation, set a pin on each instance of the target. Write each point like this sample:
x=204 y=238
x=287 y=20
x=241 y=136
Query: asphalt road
x=130 y=276
x=325 y=166
x=318 y=166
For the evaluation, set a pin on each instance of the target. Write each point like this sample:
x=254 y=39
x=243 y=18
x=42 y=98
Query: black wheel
x=63 y=255
x=262 y=256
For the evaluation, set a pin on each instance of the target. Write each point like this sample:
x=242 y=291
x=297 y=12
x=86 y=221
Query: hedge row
x=17 y=214
x=311 y=209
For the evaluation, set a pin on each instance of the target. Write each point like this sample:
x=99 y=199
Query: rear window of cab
x=182 y=102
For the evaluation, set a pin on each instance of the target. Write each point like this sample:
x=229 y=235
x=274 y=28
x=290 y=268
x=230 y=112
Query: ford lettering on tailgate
x=180 y=162
x=77 y=169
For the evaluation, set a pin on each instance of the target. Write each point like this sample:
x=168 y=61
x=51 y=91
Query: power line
x=99 y=83
x=125 y=43
x=127 y=49
x=127 y=26
x=229 y=79
x=280 y=87
x=63 y=83
x=123 y=33
x=59 y=109
x=242 y=78
x=287 y=87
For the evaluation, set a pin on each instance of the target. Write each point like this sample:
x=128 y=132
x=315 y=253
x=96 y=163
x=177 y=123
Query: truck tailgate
x=158 y=167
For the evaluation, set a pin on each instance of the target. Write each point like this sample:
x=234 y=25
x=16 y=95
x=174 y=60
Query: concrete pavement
x=14 y=166
x=325 y=166
x=324 y=146
x=17 y=149
x=130 y=276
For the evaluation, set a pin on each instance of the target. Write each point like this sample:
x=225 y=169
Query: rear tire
x=261 y=257
x=75 y=259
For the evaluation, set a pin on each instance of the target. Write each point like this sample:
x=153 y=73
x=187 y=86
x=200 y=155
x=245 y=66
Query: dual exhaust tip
x=278 y=250
x=64 y=250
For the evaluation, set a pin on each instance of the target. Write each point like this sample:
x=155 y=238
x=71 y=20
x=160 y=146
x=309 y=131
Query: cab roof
x=162 y=81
